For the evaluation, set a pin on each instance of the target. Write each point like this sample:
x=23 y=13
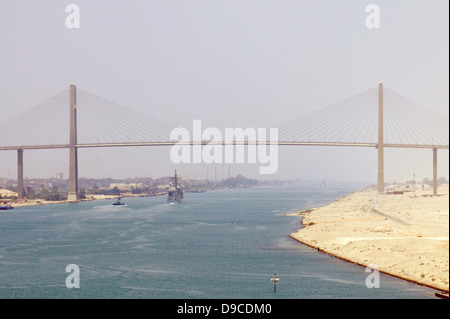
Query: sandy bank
x=35 y=202
x=407 y=235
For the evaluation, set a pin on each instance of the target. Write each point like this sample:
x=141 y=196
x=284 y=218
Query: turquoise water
x=218 y=244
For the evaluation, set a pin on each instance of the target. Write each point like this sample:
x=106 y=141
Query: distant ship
x=175 y=193
x=119 y=202
x=5 y=206
x=323 y=185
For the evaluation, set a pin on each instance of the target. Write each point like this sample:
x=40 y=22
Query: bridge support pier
x=434 y=171
x=20 y=173
x=73 y=156
x=380 y=146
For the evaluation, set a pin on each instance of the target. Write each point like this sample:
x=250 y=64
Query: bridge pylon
x=434 y=171
x=20 y=173
x=380 y=146
x=73 y=156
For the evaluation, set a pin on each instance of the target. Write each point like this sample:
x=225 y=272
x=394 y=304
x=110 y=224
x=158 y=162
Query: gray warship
x=175 y=193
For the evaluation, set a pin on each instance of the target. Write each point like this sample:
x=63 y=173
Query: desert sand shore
x=35 y=202
x=405 y=235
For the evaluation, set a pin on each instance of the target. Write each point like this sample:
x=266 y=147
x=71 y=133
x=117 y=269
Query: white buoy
x=275 y=279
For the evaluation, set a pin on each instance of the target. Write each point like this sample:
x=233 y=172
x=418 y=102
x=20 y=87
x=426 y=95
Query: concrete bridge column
x=380 y=141
x=434 y=171
x=20 y=173
x=73 y=156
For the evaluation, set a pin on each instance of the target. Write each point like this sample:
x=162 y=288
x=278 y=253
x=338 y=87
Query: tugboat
x=119 y=202
x=175 y=193
x=5 y=206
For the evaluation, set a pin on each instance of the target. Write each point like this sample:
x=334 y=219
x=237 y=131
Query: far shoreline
x=40 y=202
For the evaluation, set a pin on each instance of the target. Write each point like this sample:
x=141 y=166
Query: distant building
x=126 y=186
x=7 y=193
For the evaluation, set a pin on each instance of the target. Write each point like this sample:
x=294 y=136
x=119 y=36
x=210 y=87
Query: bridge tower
x=73 y=156
x=20 y=173
x=380 y=140
x=434 y=171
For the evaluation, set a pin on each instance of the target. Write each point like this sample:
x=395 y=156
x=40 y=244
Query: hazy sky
x=230 y=63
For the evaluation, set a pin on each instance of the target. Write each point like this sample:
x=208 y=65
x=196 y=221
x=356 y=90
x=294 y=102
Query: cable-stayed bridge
x=74 y=118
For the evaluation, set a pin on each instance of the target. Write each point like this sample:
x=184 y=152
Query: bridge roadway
x=20 y=149
x=171 y=143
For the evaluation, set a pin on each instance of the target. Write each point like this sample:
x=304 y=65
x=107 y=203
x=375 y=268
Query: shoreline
x=38 y=202
x=406 y=236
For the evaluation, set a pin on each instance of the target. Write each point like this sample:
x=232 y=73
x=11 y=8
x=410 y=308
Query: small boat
x=6 y=206
x=119 y=202
x=443 y=295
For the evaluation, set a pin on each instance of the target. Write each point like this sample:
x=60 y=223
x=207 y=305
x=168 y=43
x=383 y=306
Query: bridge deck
x=171 y=143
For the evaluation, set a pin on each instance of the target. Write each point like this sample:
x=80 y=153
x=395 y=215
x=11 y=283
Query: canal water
x=218 y=244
